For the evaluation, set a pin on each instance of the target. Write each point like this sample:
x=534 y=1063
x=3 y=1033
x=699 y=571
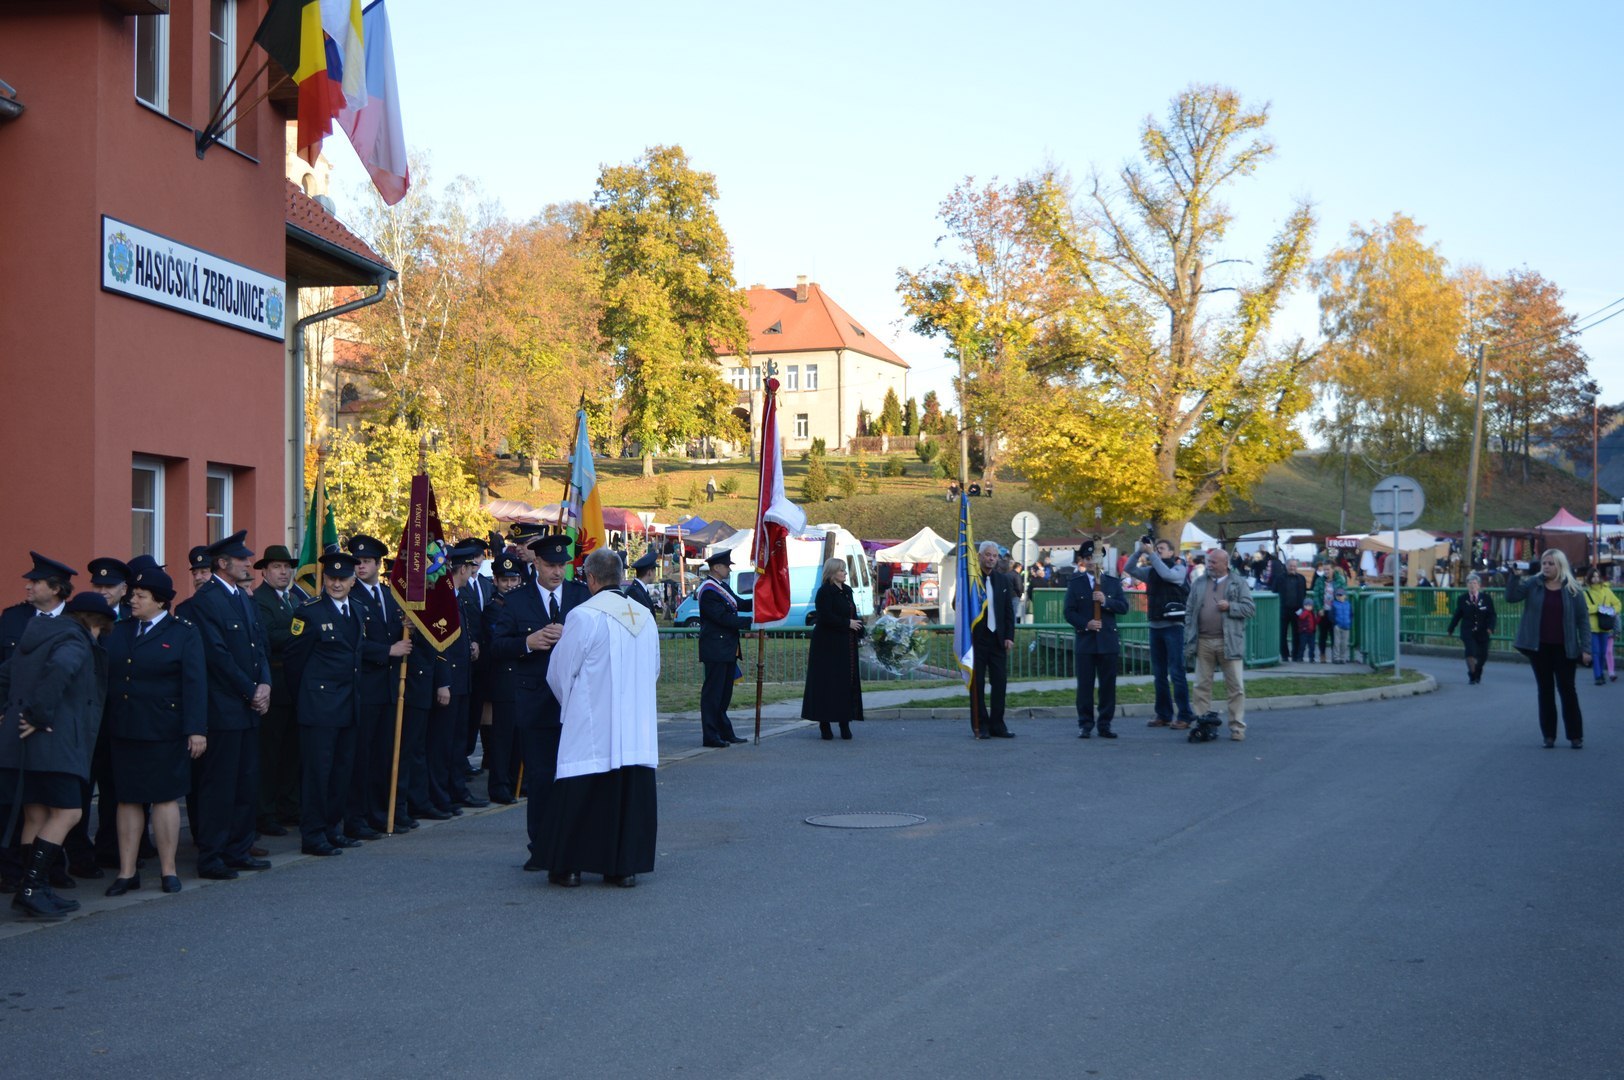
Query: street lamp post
x=1595 y=518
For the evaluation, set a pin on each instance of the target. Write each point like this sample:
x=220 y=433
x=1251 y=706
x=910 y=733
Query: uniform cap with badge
x=198 y=558
x=107 y=572
x=232 y=547
x=363 y=546
x=723 y=557
x=647 y=561
x=142 y=563
x=509 y=566
x=159 y=584
x=44 y=569
x=338 y=565
x=554 y=548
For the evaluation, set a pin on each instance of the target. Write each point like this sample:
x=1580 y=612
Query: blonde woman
x=1554 y=634
x=1603 y=605
x=834 y=695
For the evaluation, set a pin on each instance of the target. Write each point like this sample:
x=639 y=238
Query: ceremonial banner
x=421 y=577
x=970 y=603
x=320 y=534
x=777 y=519
x=586 y=505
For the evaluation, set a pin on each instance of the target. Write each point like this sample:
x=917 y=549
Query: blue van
x=806 y=558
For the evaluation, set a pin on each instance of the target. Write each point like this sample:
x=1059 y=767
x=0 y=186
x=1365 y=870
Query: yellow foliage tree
x=369 y=483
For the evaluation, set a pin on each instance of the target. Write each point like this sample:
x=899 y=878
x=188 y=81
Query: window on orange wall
x=146 y=507
x=152 y=61
x=217 y=504
x=222 y=60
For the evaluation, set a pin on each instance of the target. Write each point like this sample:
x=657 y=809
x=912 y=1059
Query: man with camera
x=1093 y=602
x=1167 y=590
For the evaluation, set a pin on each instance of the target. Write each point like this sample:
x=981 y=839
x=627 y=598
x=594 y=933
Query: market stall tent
x=924 y=546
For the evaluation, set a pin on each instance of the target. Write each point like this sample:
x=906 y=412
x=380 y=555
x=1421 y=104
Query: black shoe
x=736 y=740
x=122 y=885
x=1577 y=744
x=629 y=881
x=454 y=810
x=531 y=866
x=320 y=849
x=342 y=841
x=503 y=798
x=473 y=802
x=171 y=883
x=216 y=871
x=1005 y=734
x=406 y=824
x=249 y=863
x=980 y=735
x=715 y=745
x=365 y=832
x=472 y=772
x=1549 y=743
x=434 y=814
x=267 y=827
x=569 y=880
x=1107 y=733
x=1601 y=682
x=825 y=732
x=845 y=729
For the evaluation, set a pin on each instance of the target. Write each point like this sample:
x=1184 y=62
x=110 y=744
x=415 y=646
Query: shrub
x=861 y=464
x=945 y=467
x=819 y=448
x=894 y=467
x=730 y=484
x=696 y=494
x=874 y=485
x=848 y=482
x=815 y=484
x=927 y=449
x=662 y=493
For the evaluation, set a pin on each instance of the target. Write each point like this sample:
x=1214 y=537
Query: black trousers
x=1553 y=673
x=225 y=785
x=446 y=762
x=714 y=698
x=991 y=665
x=476 y=709
x=279 y=765
x=414 y=768
x=374 y=750
x=327 y=757
x=502 y=753
x=540 y=767
x=1095 y=667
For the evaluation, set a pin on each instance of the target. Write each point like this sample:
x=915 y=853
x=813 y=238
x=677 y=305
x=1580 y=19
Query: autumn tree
x=930 y=420
x=1166 y=395
x=670 y=301
x=369 y=482
x=1394 y=374
x=890 y=421
x=1537 y=378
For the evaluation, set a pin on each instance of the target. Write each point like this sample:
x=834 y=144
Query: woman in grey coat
x=1555 y=635
x=53 y=686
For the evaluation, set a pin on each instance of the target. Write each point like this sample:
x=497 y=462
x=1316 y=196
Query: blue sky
x=836 y=129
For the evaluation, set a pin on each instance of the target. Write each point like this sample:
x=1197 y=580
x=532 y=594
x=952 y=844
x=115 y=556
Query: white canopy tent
x=1196 y=537
x=924 y=546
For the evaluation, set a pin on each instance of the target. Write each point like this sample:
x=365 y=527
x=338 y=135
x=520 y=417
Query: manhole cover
x=865 y=819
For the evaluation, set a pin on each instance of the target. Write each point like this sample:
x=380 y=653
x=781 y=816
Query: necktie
x=141 y=631
x=343 y=611
x=552 y=607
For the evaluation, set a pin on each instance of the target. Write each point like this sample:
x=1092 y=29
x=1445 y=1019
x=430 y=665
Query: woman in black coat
x=834 y=695
x=1474 y=614
x=53 y=687
x=157 y=717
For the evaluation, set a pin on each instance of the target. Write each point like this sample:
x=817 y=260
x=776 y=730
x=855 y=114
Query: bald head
x=1217 y=562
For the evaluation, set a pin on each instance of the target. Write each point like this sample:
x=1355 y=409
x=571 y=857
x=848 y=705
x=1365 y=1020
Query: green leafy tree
x=927 y=449
x=369 y=483
x=910 y=417
x=846 y=481
x=894 y=467
x=930 y=420
x=890 y=414
x=662 y=493
x=815 y=484
x=670 y=301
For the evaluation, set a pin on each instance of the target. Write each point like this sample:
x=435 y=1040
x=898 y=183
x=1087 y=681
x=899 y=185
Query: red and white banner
x=777 y=519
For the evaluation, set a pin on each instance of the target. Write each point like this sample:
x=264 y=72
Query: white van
x=806 y=559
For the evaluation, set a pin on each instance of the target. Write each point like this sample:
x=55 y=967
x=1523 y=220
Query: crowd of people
x=264 y=708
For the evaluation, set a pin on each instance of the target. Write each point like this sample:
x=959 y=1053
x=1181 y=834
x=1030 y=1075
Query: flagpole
x=761 y=663
x=400 y=692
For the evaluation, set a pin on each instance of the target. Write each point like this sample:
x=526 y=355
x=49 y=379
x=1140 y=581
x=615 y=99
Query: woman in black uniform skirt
x=157 y=713
x=52 y=686
x=1474 y=614
x=833 y=692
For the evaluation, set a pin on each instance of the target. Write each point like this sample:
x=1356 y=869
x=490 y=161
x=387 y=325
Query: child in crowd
x=1342 y=618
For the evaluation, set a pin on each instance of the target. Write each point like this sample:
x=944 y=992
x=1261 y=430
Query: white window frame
x=736 y=376
x=160 y=77
x=803 y=426
x=155 y=467
x=792 y=377
x=811 y=377
x=227 y=43
x=228 y=487
x=755 y=377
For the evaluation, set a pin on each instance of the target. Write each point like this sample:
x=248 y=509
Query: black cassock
x=834 y=695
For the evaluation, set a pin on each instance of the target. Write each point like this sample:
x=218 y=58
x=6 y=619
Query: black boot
x=845 y=729
x=34 y=897
x=825 y=731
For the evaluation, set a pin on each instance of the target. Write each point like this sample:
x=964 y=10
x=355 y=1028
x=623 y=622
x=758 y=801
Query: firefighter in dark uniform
x=501 y=740
x=276 y=600
x=324 y=673
x=427 y=686
x=480 y=590
x=383 y=643
x=448 y=765
x=111 y=578
x=719 y=624
x=637 y=588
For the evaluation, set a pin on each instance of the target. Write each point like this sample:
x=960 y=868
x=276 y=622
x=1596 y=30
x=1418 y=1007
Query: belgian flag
x=293 y=34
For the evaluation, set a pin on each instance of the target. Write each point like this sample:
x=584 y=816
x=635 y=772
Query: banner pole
x=761 y=663
x=400 y=713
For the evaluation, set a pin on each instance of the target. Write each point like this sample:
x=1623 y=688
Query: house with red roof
x=830 y=367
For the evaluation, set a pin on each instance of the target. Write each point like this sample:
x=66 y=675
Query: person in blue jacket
x=156 y=721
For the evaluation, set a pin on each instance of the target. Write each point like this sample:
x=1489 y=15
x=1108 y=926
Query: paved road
x=1410 y=889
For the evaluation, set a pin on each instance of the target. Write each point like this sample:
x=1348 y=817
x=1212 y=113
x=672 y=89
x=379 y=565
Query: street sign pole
x=1398 y=564
x=1402 y=498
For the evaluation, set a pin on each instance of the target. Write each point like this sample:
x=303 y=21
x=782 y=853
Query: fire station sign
x=145 y=266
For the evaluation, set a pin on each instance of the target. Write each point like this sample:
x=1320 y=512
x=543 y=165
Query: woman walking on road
x=834 y=695
x=1553 y=634
x=1603 y=605
x=1475 y=615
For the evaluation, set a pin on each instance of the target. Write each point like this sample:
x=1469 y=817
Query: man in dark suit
x=383 y=643
x=502 y=689
x=1093 y=602
x=276 y=600
x=448 y=723
x=525 y=630
x=720 y=621
x=480 y=590
x=324 y=672
x=225 y=780
x=644 y=568
x=992 y=639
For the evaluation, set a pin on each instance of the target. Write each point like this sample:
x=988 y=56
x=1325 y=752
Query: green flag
x=320 y=533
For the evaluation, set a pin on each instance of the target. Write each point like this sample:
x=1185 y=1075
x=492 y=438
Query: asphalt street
x=1410 y=888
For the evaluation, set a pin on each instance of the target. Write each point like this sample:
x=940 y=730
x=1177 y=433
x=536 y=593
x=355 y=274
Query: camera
x=1149 y=539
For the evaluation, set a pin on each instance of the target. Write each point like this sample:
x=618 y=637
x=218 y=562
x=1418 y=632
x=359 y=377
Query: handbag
x=1606 y=618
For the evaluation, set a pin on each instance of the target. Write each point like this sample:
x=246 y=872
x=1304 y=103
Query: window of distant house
x=755 y=377
x=737 y=376
x=222 y=59
x=792 y=377
x=801 y=425
x=811 y=376
x=348 y=395
x=217 y=504
x=152 y=60
x=146 y=508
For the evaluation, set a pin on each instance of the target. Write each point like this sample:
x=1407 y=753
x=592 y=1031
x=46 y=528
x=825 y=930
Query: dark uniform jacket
x=13 y=621
x=1079 y=611
x=719 y=624
x=458 y=656
x=503 y=674
x=1001 y=601
x=523 y=612
x=634 y=590
x=157 y=686
x=237 y=652
x=59 y=673
x=324 y=664
x=1476 y=620
x=275 y=616
x=382 y=624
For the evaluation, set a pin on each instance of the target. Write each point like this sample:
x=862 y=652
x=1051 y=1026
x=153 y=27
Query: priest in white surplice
x=601 y=817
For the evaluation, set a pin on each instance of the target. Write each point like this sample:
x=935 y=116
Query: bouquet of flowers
x=897 y=645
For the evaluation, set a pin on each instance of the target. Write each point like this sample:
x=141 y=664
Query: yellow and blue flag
x=970 y=596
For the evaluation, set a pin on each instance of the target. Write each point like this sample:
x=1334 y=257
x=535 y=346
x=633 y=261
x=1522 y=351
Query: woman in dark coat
x=1554 y=634
x=834 y=695
x=53 y=687
x=157 y=717
x=1475 y=615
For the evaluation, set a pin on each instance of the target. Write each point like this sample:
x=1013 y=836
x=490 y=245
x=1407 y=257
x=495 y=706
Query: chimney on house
x=800 y=288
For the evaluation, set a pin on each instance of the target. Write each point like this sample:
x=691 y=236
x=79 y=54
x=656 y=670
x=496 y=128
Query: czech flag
x=586 y=505
x=374 y=127
x=314 y=41
x=777 y=519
